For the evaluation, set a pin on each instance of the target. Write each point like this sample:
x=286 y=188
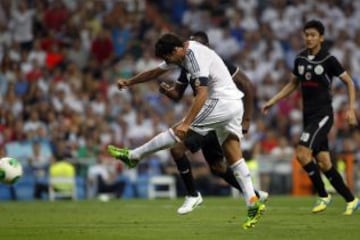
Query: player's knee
x=177 y=152
x=324 y=164
x=303 y=155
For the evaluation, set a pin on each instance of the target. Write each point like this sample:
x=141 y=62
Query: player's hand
x=164 y=87
x=122 y=83
x=351 y=117
x=245 y=126
x=266 y=107
x=181 y=130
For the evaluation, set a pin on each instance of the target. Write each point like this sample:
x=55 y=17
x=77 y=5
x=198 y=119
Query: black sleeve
x=231 y=67
x=295 y=68
x=334 y=67
x=182 y=79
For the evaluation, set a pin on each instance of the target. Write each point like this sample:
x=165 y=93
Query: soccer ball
x=10 y=170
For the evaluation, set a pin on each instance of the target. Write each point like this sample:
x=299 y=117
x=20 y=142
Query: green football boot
x=122 y=154
x=254 y=213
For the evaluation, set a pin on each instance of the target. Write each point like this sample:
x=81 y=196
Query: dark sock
x=314 y=173
x=229 y=177
x=184 y=167
x=338 y=183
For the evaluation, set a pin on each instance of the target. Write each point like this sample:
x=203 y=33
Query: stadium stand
x=59 y=61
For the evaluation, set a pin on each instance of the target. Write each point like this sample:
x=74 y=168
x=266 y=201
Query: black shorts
x=209 y=145
x=315 y=133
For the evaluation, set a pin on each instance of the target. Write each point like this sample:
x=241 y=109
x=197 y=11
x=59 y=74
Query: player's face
x=176 y=57
x=312 y=38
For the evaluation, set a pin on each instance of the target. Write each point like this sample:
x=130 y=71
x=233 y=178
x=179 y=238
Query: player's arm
x=336 y=69
x=289 y=88
x=176 y=91
x=351 y=113
x=199 y=100
x=244 y=84
x=141 y=77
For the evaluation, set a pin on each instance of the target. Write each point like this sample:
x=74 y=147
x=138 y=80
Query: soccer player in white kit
x=217 y=106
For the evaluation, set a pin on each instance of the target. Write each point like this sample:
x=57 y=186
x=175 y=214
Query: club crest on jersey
x=197 y=82
x=301 y=69
x=319 y=69
x=307 y=75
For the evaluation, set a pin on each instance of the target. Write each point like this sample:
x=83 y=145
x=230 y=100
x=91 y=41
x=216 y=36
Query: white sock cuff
x=237 y=163
x=172 y=133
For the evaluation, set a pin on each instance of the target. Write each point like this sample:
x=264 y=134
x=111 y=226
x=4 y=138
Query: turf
x=217 y=218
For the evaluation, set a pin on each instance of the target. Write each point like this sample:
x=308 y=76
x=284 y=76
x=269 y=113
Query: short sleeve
x=231 y=67
x=163 y=65
x=182 y=79
x=199 y=65
x=334 y=67
x=295 y=68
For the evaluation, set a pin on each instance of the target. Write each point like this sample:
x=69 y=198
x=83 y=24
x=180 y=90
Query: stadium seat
x=25 y=188
x=5 y=193
x=162 y=186
x=62 y=188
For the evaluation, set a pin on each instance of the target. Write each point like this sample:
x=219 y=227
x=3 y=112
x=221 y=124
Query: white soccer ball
x=10 y=170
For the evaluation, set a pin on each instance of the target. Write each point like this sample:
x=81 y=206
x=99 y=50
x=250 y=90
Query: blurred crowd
x=60 y=59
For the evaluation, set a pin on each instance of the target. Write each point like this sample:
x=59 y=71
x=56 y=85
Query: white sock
x=242 y=175
x=161 y=141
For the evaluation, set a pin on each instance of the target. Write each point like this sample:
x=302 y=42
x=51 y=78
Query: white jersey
x=201 y=61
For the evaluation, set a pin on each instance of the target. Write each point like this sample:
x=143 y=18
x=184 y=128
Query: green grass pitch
x=218 y=218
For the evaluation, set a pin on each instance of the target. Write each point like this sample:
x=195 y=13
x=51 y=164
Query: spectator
x=102 y=48
x=103 y=178
x=56 y=16
x=22 y=19
x=39 y=163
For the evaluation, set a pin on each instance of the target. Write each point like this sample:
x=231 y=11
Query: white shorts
x=222 y=115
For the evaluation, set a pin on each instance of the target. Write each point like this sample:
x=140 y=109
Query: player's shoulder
x=196 y=47
x=322 y=56
x=302 y=53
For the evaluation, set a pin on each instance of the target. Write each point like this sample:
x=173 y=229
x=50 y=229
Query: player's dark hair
x=166 y=44
x=316 y=24
x=201 y=37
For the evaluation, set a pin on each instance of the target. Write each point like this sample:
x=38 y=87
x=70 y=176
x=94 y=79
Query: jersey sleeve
x=200 y=66
x=231 y=67
x=334 y=67
x=182 y=79
x=163 y=65
x=295 y=70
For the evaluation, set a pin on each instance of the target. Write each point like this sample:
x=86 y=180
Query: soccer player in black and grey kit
x=209 y=144
x=314 y=69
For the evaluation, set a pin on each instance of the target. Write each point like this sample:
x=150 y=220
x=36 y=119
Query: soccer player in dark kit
x=313 y=70
x=209 y=144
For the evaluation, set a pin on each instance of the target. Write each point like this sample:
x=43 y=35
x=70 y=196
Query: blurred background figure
x=103 y=179
x=39 y=163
